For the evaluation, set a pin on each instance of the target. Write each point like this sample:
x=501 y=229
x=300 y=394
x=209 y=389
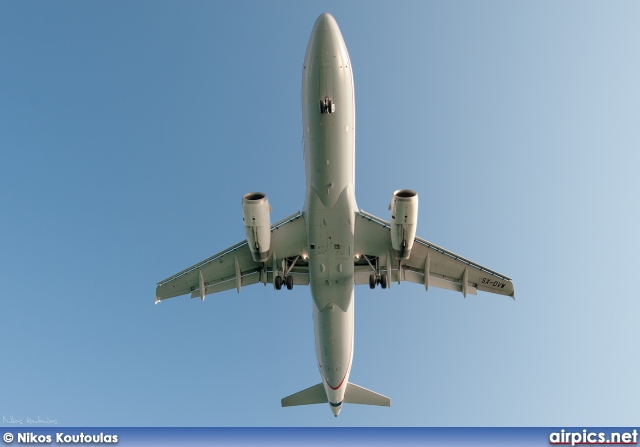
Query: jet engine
x=257 y=224
x=404 y=219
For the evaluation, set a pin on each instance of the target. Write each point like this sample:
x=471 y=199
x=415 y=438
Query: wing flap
x=361 y=274
x=435 y=281
x=246 y=280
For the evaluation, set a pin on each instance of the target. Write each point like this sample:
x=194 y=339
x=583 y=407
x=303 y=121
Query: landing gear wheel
x=383 y=281
x=289 y=281
x=278 y=282
x=372 y=281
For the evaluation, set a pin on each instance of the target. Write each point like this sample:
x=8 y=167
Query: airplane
x=332 y=245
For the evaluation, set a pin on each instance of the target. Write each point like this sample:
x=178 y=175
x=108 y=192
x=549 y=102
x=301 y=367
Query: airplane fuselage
x=328 y=119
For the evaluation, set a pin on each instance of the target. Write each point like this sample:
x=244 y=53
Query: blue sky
x=130 y=130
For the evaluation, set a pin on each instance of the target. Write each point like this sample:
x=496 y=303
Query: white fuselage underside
x=330 y=206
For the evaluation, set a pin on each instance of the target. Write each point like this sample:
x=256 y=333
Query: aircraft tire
x=289 y=281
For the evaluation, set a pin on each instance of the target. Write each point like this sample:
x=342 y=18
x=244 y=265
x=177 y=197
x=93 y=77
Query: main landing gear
x=286 y=278
x=376 y=277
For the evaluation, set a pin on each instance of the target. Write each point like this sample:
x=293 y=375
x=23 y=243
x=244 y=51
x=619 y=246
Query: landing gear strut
x=286 y=278
x=376 y=277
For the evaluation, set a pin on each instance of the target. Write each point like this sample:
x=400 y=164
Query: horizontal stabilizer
x=314 y=395
x=357 y=395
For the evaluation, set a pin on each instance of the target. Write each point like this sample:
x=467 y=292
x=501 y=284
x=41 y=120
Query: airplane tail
x=313 y=395
x=357 y=395
x=354 y=394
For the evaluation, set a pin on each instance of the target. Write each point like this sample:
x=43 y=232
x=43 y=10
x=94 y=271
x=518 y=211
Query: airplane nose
x=326 y=22
x=336 y=410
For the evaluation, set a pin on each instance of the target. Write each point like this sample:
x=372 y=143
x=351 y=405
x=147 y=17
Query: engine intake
x=257 y=224
x=404 y=219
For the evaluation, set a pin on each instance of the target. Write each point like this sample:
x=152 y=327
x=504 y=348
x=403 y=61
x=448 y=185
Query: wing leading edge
x=428 y=264
x=235 y=267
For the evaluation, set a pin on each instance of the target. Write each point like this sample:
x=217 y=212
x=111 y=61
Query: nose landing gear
x=327 y=106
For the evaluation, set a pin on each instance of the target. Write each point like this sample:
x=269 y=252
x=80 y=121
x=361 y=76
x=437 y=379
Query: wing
x=235 y=267
x=428 y=264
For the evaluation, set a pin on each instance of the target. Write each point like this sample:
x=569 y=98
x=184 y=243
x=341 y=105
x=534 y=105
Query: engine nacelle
x=404 y=220
x=257 y=224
